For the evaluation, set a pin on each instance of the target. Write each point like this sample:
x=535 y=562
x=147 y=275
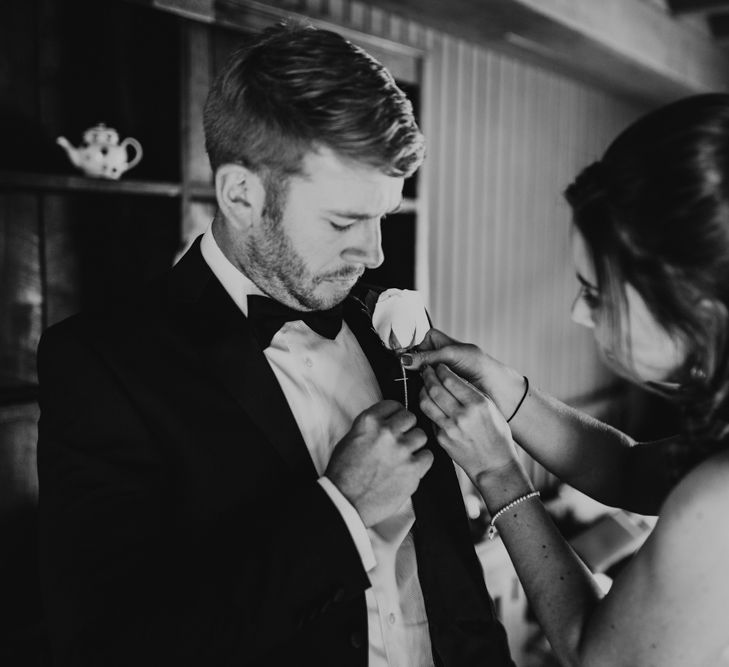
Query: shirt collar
x=235 y=283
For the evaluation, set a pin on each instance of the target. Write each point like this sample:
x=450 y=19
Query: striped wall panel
x=505 y=140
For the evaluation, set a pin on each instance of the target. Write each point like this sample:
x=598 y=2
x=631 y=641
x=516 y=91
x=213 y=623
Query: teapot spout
x=72 y=152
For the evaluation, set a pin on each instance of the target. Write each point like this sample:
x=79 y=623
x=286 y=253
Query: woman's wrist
x=503 y=384
x=500 y=486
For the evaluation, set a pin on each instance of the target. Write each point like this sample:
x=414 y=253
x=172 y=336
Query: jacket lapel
x=230 y=354
x=384 y=362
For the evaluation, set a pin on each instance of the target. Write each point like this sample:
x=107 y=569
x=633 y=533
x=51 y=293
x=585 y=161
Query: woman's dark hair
x=654 y=213
x=293 y=89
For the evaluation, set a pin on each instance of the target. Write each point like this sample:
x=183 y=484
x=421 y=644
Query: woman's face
x=646 y=349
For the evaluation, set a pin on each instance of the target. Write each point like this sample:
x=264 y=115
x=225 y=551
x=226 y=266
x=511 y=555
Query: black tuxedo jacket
x=181 y=520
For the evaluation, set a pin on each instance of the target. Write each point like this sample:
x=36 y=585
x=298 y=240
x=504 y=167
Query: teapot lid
x=101 y=134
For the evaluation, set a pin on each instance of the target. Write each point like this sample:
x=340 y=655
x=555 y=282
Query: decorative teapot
x=102 y=155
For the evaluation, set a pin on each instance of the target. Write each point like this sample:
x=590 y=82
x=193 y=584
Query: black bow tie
x=267 y=316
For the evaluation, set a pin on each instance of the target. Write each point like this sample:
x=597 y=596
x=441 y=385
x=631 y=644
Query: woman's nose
x=581 y=313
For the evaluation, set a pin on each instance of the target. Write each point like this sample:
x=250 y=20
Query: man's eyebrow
x=358 y=215
x=586 y=283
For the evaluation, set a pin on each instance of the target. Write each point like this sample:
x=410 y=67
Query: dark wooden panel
x=61 y=254
x=196 y=77
x=21 y=299
x=18 y=475
x=21 y=137
x=398 y=244
x=22 y=638
x=108 y=246
x=696 y=6
x=719 y=24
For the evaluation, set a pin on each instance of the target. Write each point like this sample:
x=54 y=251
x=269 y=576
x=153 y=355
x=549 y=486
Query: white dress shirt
x=327 y=383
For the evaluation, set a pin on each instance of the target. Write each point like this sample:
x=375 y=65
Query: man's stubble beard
x=273 y=263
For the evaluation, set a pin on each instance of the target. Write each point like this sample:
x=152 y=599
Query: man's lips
x=343 y=278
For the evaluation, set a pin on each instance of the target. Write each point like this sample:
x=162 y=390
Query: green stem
x=404 y=382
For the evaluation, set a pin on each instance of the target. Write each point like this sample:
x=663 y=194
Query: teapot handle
x=131 y=141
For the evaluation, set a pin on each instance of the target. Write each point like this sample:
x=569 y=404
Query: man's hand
x=378 y=465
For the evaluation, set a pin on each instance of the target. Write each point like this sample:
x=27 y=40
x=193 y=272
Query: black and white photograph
x=364 y=333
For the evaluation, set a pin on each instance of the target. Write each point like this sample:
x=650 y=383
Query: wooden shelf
x=198 y=191
x=31 y=182
x=201 y=191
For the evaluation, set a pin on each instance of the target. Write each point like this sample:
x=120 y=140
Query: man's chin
x=332 y=292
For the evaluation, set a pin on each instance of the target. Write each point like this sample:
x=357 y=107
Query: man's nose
x=581 y=313
x=366 y=249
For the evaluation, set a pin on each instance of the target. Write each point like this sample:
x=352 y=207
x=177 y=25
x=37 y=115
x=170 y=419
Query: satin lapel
x=383 y=361
x=228 y=351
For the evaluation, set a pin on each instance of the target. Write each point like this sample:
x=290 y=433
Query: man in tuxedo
x=228 y=476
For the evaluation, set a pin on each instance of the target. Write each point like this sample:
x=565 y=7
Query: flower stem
x=404 y=382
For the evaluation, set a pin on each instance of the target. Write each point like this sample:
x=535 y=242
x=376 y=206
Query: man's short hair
x=293 y=89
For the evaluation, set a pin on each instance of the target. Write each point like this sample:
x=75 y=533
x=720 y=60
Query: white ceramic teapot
x=102 y=156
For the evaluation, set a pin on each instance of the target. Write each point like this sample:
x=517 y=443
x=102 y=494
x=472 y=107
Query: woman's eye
x=591 y=299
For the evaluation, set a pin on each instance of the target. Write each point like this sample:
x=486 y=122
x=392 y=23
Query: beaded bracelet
x=493 y=531
x=523 y=398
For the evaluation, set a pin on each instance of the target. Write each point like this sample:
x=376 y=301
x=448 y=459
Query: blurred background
x=514 y=97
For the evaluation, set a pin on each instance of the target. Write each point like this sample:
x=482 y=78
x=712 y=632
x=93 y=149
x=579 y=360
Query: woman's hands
x=502 y=384
x=465 y=359
x=470 y=427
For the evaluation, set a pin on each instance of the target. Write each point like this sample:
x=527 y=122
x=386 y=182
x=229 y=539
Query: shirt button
x=392 y=618
x=309 y=363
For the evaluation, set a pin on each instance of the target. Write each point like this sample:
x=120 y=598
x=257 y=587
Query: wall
x=506 y=139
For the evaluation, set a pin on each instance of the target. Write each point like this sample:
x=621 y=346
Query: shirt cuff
x=353 y=522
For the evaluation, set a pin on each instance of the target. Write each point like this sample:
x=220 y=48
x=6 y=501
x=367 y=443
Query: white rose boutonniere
x=401 y=322
x=400 y=319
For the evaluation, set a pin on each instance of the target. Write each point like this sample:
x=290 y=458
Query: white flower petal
x=400 y=318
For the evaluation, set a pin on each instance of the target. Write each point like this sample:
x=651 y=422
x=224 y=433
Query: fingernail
x=407 y=359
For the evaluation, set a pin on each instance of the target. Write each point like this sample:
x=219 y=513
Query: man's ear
x=240 y=195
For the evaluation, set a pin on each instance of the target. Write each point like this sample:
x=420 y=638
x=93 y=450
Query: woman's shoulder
x=707 y=482
x=684 y=565
x=697 y=510
x=669 y=603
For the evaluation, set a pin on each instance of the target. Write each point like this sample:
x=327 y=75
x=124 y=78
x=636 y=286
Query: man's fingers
x=402 y=420
x=384 y=409
x=414 y=439
x=423 y=458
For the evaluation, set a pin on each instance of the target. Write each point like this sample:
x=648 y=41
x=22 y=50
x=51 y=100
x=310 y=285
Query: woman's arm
x=667 y=607
x=592 y=456
x=595 y=458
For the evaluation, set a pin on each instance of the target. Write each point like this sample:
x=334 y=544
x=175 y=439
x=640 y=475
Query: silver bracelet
x=493 y=531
